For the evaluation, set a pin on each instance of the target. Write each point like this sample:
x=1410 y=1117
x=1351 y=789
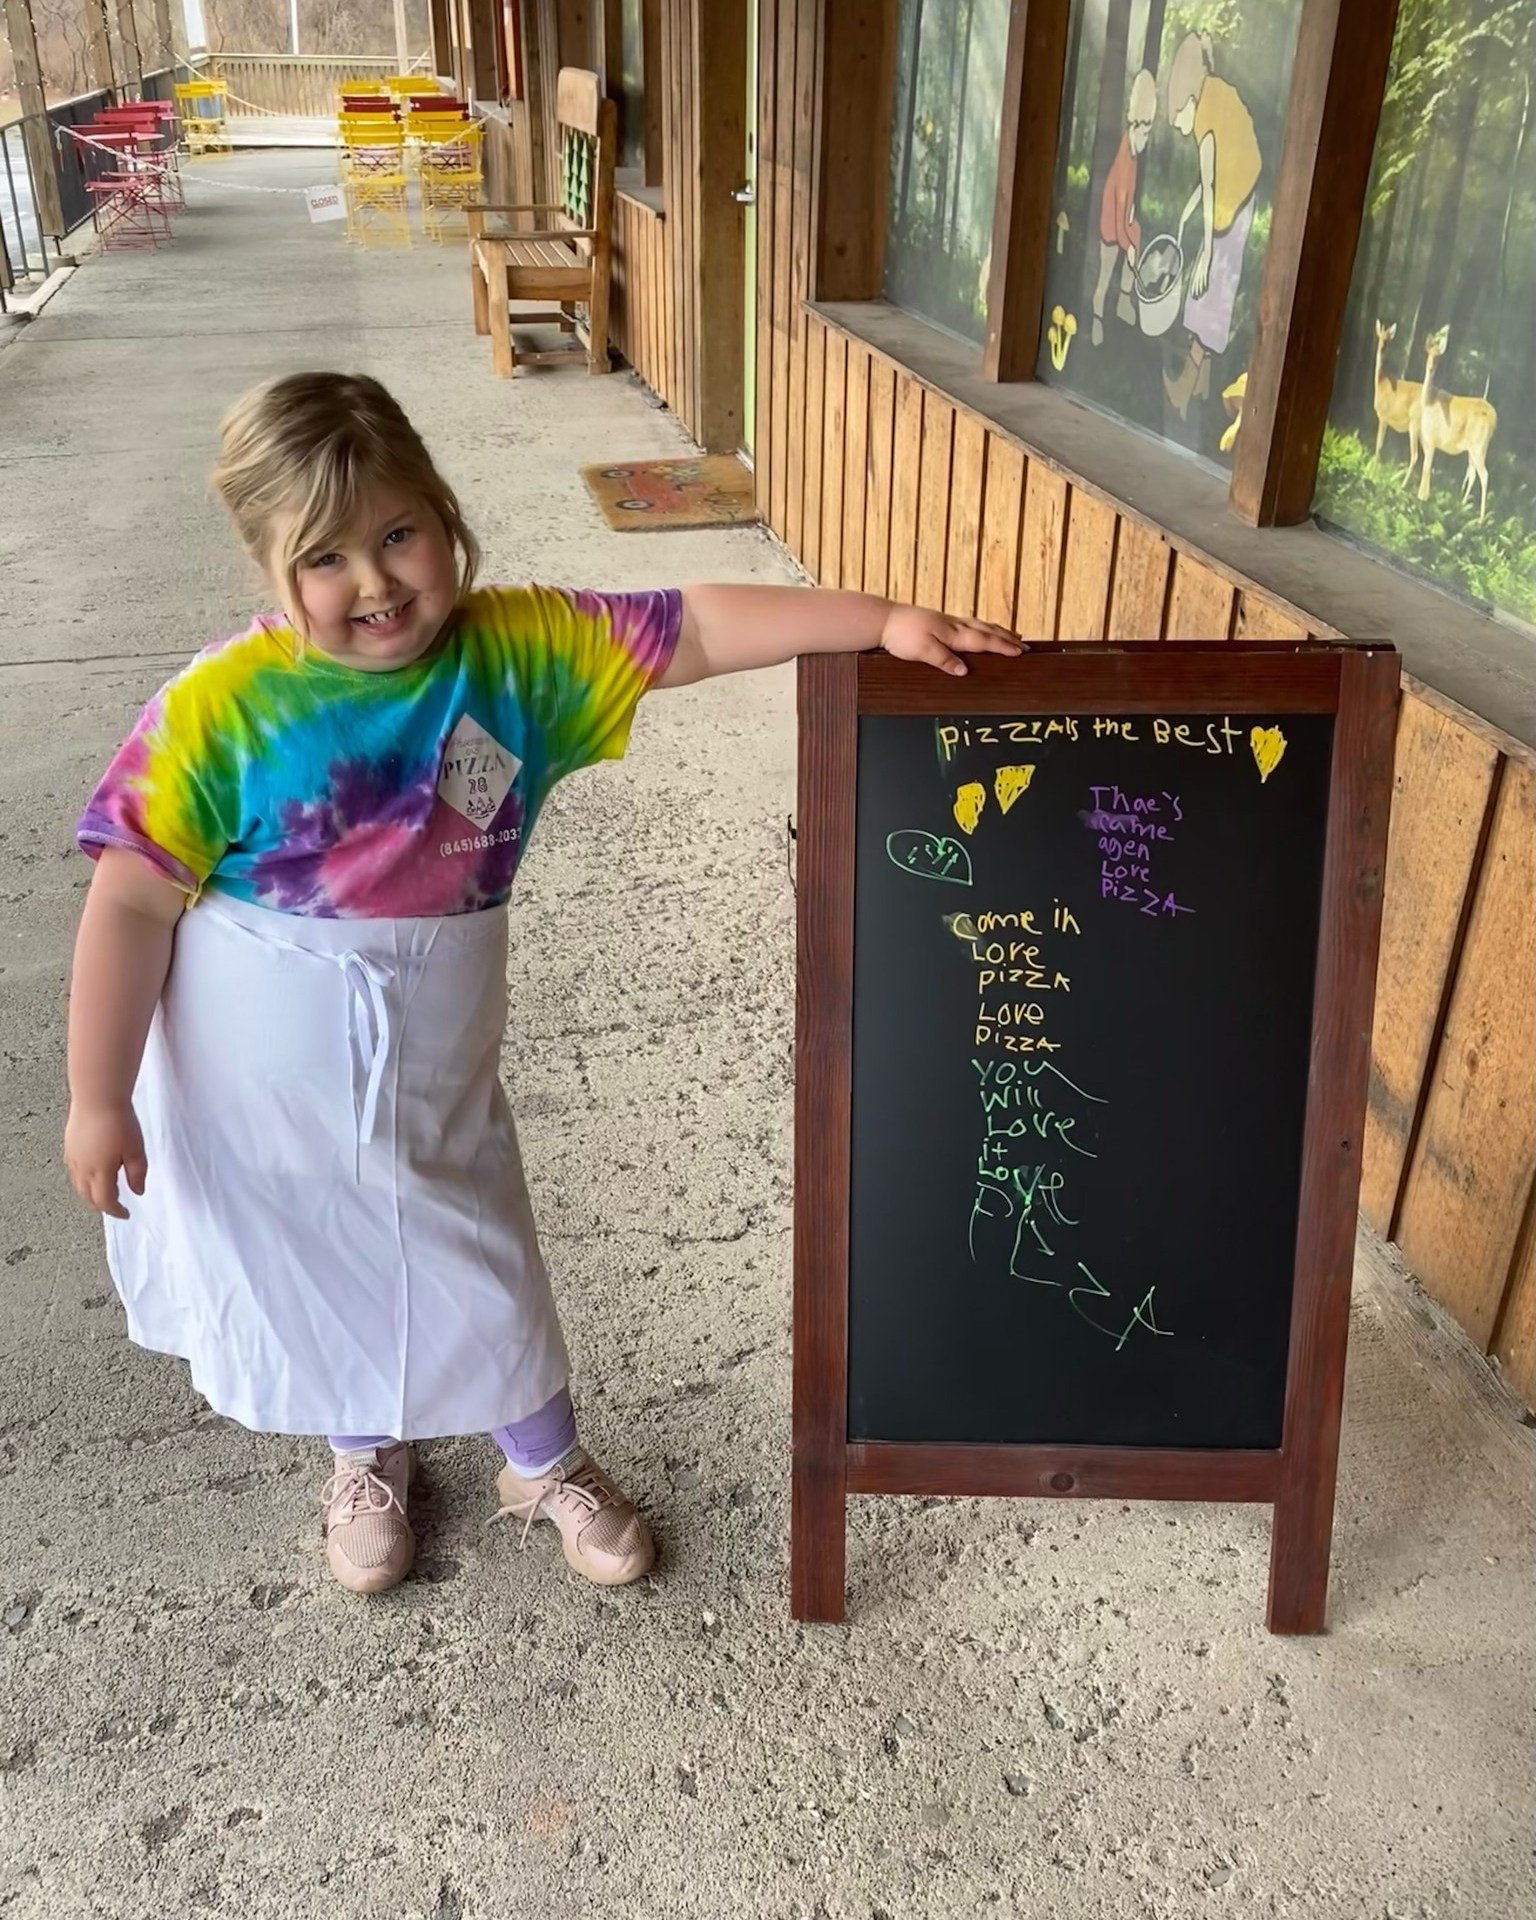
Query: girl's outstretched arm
x=122 y=955
x=726 y=629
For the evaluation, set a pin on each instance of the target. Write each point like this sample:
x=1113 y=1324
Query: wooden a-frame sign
x=1355 y=685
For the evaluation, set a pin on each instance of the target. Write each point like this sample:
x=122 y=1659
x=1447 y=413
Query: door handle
x=744 y=196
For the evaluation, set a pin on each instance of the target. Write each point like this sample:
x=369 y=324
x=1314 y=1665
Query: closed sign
x=326 y=203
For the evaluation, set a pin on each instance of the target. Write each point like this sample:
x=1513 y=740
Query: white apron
x=335 y=1232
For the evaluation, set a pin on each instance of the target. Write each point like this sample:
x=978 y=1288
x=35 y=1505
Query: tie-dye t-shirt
x=270 y=772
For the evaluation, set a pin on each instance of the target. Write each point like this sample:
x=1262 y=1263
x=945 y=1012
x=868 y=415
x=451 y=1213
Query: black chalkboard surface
x=1084 y=956
x=1085 y=964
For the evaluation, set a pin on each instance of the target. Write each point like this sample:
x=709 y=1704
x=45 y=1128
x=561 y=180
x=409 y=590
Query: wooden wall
x=653 y=319
x=875 y=480
x=1450 y=1145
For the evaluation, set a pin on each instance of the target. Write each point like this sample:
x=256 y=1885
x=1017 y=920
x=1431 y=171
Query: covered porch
x=1059 y=1708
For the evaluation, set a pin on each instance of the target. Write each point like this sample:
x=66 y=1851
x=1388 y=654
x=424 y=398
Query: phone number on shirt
x=478 y=842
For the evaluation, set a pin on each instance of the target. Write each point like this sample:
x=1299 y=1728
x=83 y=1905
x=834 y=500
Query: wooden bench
x=567 y=261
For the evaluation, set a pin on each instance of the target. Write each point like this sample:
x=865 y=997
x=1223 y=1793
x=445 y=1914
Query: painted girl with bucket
x=1210 y=111
x=290 y=977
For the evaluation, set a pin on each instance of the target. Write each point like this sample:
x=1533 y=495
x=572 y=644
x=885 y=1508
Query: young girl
x=296 y=1132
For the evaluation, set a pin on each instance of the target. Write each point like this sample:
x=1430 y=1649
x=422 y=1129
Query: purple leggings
x=531 y=1445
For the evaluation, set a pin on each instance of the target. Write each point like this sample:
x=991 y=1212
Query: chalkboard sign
x=1087 y=946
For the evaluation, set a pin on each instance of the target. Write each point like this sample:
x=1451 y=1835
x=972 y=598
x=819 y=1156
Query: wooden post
x=828 y=696
x=611 y=68
x=99 y=44
x=853 y=149
x=402 y=39
x=1354 y=873
x=441 y=38
x=481 y=16
x=578 y=33
x=39 y=140
x=165 y=45
x=1026 y=168
x=128 y=35
x=1337 y=85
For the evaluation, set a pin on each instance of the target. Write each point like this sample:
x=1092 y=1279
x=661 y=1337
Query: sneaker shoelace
x=584 y=1483
x=363 y=1490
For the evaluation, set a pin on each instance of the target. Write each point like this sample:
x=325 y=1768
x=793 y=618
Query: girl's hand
x=918 y=633
x=97 y=1142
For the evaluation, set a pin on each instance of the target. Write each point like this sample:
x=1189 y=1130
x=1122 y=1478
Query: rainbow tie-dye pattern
x=267 y=771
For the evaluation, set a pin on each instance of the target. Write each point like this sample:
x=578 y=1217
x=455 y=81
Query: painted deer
x=1453 y=423
x=1397 y=403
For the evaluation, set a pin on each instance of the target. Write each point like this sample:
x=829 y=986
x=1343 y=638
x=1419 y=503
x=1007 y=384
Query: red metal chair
x=127 y=211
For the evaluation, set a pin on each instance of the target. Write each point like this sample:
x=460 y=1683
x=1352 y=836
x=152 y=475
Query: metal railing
x=27 y=227
x=303 y=85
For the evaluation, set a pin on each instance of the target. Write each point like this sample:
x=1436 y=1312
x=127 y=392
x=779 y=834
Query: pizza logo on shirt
x=477 y=773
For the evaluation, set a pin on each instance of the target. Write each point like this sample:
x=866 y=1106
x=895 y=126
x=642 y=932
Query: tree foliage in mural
x=1172 y=116
x=947 y=113
x=1445 y=283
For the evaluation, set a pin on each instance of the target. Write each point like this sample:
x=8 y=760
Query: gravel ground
x=1063 y=1709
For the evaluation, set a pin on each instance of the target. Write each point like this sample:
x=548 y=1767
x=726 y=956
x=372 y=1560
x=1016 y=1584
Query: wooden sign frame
x=1358 y=686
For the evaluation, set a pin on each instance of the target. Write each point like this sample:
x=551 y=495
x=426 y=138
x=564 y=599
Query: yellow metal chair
x=452 y=176
x=203 y=108
x=373 y=180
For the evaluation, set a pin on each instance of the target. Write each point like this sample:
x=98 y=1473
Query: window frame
x=651 y=96
x=1332 y=114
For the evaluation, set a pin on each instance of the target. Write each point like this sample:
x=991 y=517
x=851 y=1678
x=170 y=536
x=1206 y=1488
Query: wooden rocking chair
x=568 y=260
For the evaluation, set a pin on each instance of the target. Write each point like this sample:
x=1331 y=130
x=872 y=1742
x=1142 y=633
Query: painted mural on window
x=1430 y=452
x=946 y=116
x=1172 y=115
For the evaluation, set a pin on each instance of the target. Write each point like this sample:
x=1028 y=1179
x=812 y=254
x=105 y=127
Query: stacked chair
x=397 y=128
x=447 y=148
x=203 y=106
x=373 y=178
x=132 y=173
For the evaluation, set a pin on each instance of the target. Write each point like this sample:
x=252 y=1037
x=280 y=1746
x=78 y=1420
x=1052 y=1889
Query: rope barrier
x=233 y=186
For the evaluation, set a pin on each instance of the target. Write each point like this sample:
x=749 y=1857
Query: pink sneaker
x=605 y=1539
x=369 y=1545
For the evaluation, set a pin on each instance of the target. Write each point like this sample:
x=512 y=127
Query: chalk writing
x=1131 y=827
x=1033 y=1117
x=955 y=736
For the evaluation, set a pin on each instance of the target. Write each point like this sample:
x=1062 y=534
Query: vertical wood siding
x=874 y=480
x=921 y=499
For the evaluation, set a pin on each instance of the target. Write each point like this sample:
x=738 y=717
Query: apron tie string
x=366 y=982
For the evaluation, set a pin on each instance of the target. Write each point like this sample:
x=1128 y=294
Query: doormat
x=712 y=491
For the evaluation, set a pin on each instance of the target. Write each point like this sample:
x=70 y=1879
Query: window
x=632 y=85
x=946 y=117
x=1172 y=114
x=1430 y=451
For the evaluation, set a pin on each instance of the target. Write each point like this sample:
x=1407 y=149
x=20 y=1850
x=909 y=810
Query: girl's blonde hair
x=308 y=446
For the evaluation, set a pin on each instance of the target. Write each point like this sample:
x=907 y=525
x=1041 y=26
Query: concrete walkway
x=1034 y=1709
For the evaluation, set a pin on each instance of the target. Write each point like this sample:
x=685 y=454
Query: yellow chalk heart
x=969 y=801
x=1268 y=745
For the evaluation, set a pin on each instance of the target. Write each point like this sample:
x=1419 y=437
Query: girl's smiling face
x=379 y=597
